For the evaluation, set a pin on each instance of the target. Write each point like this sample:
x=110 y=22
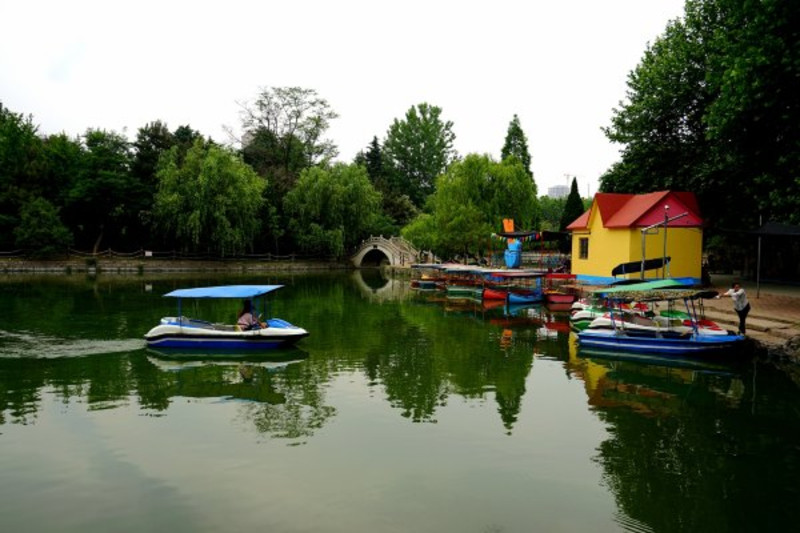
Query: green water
x=401 y=412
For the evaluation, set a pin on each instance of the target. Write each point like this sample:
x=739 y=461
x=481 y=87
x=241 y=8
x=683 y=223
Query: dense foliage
x=208 y=200
x=470 y=202
x=714 y=108
x=398 y=209
x=280 y=192
x=419 y=148
x=332 y=208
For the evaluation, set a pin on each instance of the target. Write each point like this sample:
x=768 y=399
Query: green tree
x=99 y=200
x=152 y=140
x=551 y=210
x=471 y=200
x=573 y=207
x=419 y=148
x=184 y=138
x=397 y=206
x=714 y=108
x=332 y=208
x=20 y=162
x=279 y=163
x=64 y=158
x=283 y=133
x=516 y=145
x=422 y=232
x=376 y=168
x=41 y=231
x=210 y=201
x=754 y=119
x=292 y=115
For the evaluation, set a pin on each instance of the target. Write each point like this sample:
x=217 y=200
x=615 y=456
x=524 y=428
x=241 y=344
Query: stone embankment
x=773 y=325
x=147 y=265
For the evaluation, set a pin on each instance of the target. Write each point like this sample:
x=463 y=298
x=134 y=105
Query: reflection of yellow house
x=626 y=228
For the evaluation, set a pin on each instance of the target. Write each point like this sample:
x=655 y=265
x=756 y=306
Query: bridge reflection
x=376 y=285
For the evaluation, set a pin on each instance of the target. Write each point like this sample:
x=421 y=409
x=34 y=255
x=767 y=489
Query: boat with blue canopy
x=180 y=332
x=625 y=332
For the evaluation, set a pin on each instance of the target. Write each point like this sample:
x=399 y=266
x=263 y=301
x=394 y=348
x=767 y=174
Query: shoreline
x=776 y=341
x=140 y=265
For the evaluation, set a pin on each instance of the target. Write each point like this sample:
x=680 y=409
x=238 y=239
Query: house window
x=584 y=248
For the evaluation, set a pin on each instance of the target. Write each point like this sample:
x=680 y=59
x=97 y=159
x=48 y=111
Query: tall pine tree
x=573 y=208
x=517 y=145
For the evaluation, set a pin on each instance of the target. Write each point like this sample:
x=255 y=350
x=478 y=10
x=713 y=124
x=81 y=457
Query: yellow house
x=619 y=231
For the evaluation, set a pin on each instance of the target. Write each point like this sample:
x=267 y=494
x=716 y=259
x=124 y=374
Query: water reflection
x=377 y=285
x=693 y=444
x=682 y=445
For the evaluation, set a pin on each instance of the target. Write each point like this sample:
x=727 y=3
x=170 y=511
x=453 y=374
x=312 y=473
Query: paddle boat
x=559 y=288
x=519 y=286
x=180 y=332
x=691 y=339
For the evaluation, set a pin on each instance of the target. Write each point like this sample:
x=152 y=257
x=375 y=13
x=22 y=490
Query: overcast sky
x=560 y=65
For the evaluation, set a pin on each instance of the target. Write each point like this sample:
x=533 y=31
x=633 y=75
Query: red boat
x=558 y=289
x=558 y=297
x=495 y=294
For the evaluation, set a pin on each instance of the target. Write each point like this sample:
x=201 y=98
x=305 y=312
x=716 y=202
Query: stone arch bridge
x=378 y=251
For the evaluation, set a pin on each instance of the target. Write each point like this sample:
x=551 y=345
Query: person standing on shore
x=740 y=305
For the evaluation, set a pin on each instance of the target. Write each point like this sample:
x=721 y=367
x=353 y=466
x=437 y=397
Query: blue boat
x=691 y=344
x=180 y=332
x=693 y=340
x=532 y=297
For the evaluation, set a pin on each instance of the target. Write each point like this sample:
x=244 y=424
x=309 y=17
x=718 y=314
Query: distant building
x=611 y=233
x=558 y=191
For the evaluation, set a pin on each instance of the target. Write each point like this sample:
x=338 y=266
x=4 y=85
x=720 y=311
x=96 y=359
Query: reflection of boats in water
x=518 y=315
x=273 y=360
x=220 y=374
x=650 y=384
x=181 y=332
x=673 y=361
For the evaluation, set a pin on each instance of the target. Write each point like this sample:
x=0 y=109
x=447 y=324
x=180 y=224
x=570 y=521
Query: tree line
x=713 y=107
x=280 y=191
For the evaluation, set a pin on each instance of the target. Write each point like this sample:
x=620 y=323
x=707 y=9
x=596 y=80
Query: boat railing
x=186 y=322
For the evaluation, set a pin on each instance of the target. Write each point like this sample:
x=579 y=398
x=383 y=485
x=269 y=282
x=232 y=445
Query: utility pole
x=666 y=221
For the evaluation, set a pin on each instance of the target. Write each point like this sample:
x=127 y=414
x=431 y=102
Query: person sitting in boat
x=247 y=320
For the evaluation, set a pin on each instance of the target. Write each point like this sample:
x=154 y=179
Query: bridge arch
x=378 y=251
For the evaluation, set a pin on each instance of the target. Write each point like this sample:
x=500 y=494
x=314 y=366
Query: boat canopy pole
x=180 y=313
x=652 y=226
x=611 y=313
x=692 y=314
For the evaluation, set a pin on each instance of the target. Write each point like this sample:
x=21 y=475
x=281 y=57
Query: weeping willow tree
x=209 y=201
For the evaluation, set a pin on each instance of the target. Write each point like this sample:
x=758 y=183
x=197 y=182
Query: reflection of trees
x=419 y=353
x=426 y=356
x=285 y=403
x=302 y=409
x=689 y=452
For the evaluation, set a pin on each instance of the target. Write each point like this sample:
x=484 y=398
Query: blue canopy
x=225 y=291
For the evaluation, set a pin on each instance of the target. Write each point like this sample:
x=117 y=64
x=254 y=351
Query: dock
x=773 y=323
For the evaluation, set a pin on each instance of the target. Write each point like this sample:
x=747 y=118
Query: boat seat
x=642 y=321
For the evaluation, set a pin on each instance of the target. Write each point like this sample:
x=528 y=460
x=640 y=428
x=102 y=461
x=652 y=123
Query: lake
x=402 y=411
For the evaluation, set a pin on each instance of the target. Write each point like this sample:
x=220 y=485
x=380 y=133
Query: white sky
x=560 y=65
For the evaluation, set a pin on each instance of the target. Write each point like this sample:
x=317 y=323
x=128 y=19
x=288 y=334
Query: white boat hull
x=188 y=333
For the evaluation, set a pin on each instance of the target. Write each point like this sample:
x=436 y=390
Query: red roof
x=582 y=222
x=640 y=210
